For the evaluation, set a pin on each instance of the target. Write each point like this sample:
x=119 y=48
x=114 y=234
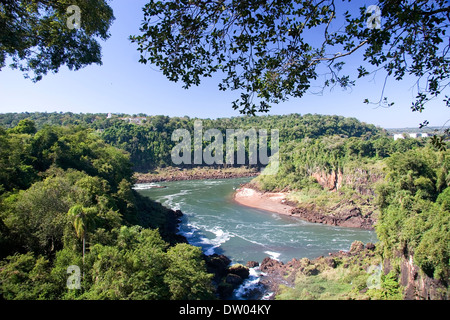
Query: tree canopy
x=415 y=217
x=39 y=35
x=273 y=50
x=66 y=200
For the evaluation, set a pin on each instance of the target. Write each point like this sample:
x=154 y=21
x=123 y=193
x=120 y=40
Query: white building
x=411 y=135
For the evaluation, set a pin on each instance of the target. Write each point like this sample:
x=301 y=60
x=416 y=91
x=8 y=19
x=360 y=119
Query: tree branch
x=430 y=13
x=338 y=55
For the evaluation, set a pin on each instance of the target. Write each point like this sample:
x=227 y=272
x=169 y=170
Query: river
x=218 y=225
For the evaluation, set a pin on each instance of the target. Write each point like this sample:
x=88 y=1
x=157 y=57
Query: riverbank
x=221 y=227
x=200 y=173
x=345 y=214
x=269 y=201
x=227 y=277
x=340 y=275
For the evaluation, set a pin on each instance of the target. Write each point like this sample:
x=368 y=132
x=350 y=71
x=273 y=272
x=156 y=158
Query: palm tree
x=83 y=219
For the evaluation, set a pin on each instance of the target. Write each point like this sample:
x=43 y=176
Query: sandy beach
x=348 y=216
x=269 y=201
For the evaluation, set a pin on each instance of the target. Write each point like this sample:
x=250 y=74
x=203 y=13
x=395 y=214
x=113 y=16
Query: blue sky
x=123 y=85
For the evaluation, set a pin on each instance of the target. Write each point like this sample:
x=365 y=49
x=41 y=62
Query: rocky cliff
x=361 y=180
x=329 y=180
x=344 y=214
x=416 y=285
x=294 y=274
x=226 y=278
x=356 y=211
x=413 y=284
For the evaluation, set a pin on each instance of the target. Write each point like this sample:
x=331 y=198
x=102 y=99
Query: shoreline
x=178 y=174
x=242 y=282
x=268 y=201
x=249 y=196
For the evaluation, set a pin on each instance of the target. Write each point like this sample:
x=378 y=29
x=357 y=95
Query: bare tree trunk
x=84 y=247
x=84 y=250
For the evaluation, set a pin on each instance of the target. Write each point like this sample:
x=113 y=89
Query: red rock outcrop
x=417 y=285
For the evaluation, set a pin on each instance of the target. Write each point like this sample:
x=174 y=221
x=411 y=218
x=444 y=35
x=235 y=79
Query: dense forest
x=415 y=210
x=66 y=180
x=404 y=184
x=149 y=143
x=333 y=153
x=66 y=198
